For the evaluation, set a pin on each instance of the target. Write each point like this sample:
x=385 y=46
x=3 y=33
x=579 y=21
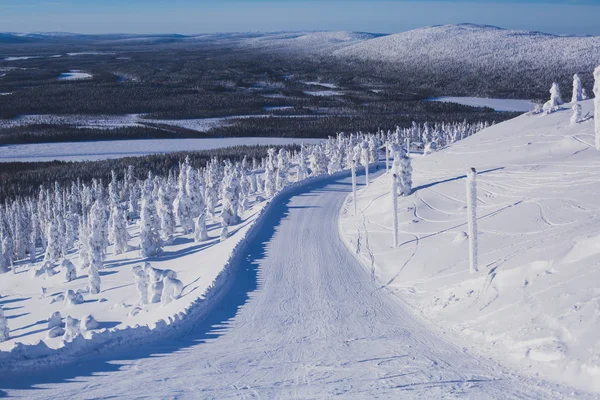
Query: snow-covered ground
x=196 y=264
x=299 y=318
x=496 y=104
x=535 y=304
x=74 y=75
x=102 y=150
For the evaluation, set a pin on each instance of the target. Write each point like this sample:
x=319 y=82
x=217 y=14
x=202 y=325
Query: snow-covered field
x=292 y=323
x=74 y=75
x=496 y=104
x=535 y=304
x=102 y=150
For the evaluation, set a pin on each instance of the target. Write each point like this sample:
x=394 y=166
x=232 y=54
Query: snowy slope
x=535 y=303
x=480 y=46
x=301 y=319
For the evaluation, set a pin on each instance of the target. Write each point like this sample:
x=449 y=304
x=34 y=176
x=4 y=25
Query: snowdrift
x=535 y=304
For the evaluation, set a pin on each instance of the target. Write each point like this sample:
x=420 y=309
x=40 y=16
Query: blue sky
x=385 y=16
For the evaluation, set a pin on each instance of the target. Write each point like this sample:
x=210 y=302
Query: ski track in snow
x=295 y=323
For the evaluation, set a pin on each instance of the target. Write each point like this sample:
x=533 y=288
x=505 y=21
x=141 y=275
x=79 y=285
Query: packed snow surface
x=102 y=150
x=299 y=318
x=496 y=104
x=535 y=302
x=74 y=75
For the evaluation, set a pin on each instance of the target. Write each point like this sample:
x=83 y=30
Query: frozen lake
x=101 y=150
x=497 y=104
x=74 y=75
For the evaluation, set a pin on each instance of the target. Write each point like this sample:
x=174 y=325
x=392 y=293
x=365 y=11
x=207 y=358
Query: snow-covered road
x=302 y=319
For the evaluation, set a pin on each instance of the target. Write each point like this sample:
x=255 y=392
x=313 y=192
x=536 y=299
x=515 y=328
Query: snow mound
x=535 y=301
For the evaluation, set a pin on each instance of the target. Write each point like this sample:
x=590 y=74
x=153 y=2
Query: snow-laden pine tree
x=183 y=204
x=335 y=161
x=200 y=233
x=597 y=105
x=577 y=89
x=212 y=186
x=576 y=117
x=194 y=189
x=96 y=245
x=472 y=218
x=166 y=213
x=555 y=99
x=150 y=240
x=270 y=173
x=84 y=243
x=283 y=166
x=3 y=265
x=133 y=207
x=53 y=250
x=230 y=198
x=69 y=271
x=4 y=330
x=119 y=229
x=317 y=161
x=302 y=160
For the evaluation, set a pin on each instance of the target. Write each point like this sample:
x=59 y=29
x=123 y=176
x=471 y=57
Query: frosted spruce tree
x=283 y=166
x=335 y=161
x=194 y=189
x=96 y=245
x=577 y=89
x=150 y=240
x=53 y=250
x=119 y=230
x=302 y=160
x=597 y=105
x=230 y=197
x=405 y=172
x=212 y=186
x=84 y=244
x=166 y=213
x=555 y=99
x=183 y=204
x=200 y=233
x=270 y=173
x=472 y=218
x=133 y=193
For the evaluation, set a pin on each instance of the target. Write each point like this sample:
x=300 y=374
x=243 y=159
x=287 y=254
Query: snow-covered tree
x=212 y=186
x=577 y=89
x=183 y=207
x=194 y=190
x=302 y=160
x=200 y=233
x=96 y=244
x=142 y=282
x=53 y=250
x=405 y=172
x=150 y=240
x=4 y=330
x=472 y=218
x=172 y=289
x=231 y=197
x=555 y=99
x=119 y=229
x=335 y=161
x=69 y=270
x=166 y=213
x=394 y=193
x=270 y=178
x=94 y=277
x=283 y=166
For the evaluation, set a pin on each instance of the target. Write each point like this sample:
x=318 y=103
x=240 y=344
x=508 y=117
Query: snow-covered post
x=472 y=218
x=354 y=185
x=387 y=155
x=395 y=207
x=597 y=105
x=576 y=117
x=4 y=331
x=577 y=89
